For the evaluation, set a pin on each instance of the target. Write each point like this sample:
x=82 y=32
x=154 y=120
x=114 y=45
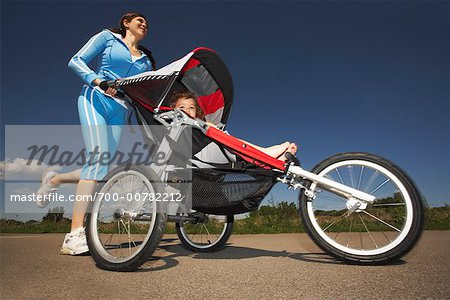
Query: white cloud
x=20 y=168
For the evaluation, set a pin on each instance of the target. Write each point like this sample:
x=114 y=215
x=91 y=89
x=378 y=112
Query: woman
x=187 y=102
x=102 y=115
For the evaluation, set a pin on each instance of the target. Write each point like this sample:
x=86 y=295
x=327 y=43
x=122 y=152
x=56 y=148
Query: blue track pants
x=102 y=119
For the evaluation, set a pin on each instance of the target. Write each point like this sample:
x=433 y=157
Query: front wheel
x=377 y=233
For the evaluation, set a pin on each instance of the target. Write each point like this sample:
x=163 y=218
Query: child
x=187 y=102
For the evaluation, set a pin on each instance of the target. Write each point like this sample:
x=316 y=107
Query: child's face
x=188 y=106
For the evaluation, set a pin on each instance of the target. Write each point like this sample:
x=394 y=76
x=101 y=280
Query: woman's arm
x=79 y=62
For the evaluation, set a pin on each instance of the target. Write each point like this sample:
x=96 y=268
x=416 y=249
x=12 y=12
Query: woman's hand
x=110 y=91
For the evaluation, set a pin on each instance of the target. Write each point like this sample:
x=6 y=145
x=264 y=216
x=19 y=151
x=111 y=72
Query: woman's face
x=188 y=106
x=138 y=26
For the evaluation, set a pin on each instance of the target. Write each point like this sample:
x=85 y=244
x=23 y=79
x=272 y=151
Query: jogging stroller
x=356 y=206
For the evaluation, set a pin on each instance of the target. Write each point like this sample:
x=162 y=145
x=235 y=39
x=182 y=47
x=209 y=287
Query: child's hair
x=187 y=95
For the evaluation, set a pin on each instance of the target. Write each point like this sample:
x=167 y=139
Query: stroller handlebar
x=105 y=84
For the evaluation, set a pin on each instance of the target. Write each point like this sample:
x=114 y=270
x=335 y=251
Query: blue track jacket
x=115 y=60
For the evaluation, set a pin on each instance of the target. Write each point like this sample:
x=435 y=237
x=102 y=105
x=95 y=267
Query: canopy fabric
x=201 y=71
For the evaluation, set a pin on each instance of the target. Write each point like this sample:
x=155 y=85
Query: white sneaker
x=46 y=188
x=75 y=243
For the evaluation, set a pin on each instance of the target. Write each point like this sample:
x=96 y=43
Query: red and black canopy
x=201 y=71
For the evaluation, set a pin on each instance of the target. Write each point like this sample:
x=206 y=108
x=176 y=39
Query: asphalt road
x=283 y=266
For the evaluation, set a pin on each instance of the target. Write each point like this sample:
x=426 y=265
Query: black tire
x=208 y=236
x=377 y=234
x=116 y=241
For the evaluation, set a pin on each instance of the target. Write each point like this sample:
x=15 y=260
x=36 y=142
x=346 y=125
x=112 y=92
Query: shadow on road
x=229 y=252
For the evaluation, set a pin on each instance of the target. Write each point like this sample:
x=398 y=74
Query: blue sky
x=333 y=76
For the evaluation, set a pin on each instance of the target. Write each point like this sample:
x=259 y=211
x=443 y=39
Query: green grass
x=278 y=218
x=12 y=226
x=437 y=218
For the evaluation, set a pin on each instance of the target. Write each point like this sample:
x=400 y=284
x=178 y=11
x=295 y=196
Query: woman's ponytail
x=149 y=55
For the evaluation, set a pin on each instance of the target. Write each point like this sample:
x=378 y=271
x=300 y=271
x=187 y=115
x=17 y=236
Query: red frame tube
x=247 y=152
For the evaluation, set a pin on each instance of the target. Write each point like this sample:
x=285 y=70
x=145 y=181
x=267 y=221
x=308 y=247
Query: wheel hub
x=354 y=205
x=199 y=217
x=127 y=214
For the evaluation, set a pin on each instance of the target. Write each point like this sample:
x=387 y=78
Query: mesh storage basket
x=228 y=192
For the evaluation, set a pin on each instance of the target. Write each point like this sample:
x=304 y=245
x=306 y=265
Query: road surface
x=282 y=266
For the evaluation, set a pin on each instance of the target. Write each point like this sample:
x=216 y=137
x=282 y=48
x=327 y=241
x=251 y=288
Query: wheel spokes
x=386 y=214
x=379 y=186
x=378 y=219
x=370 y=235
x=116 y=235
x=204 y=234
x=336 y=221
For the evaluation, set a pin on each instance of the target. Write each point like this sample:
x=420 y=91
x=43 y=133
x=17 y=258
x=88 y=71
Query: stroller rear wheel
x=122 y=230
x=209 y=233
